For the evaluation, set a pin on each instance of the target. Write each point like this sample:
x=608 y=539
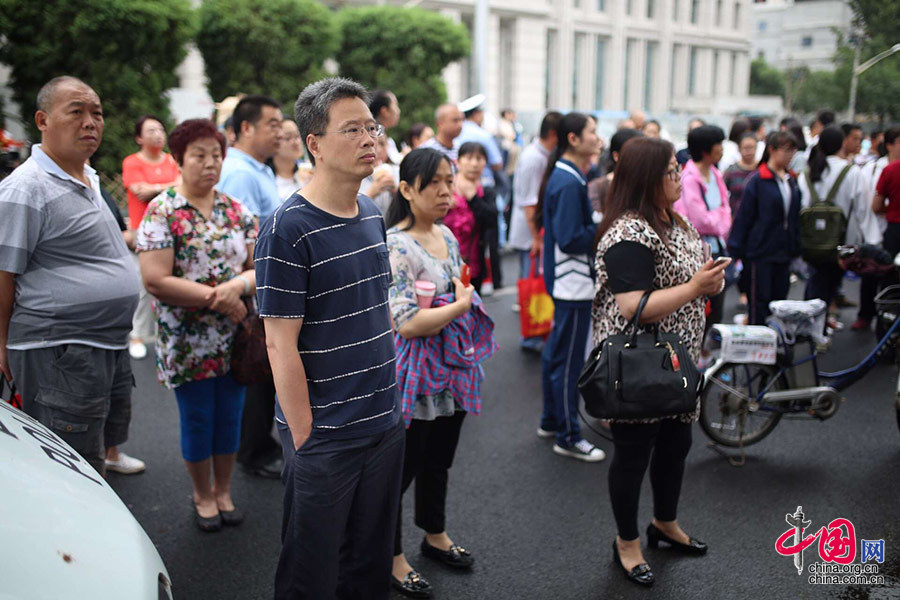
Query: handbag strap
x=636 y=319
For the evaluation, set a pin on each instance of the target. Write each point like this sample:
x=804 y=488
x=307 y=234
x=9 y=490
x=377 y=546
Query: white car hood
x=64 y=533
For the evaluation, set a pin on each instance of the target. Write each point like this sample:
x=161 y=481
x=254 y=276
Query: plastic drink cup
x=425 y=293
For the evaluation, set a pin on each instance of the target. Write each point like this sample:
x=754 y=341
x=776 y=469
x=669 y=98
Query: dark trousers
x=868 y=287
x=891 y=241
x=664 y=446
x=81 y=393
x=430 y=448
x=716 y=310
x=767 y=281
x=824 y=282
x=561 y=363
x=340 y=511
x=258 y=447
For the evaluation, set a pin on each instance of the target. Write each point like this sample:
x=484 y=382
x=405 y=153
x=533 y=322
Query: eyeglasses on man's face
x=354 y=132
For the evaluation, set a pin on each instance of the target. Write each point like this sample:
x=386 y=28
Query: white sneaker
x=127 y=465
x=545 y=434
x=487 y=289
x=137 y=350
x=582 y=450
x=516 y=308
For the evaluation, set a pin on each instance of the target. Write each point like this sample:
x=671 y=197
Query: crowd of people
x=365 y=261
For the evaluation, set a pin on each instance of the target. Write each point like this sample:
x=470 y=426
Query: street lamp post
x=859 y=69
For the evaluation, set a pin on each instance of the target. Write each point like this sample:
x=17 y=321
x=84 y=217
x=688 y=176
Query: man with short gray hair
x=68 y=287
x=322 y=278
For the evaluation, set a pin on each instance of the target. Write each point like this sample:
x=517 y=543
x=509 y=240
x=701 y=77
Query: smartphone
x=722 y=260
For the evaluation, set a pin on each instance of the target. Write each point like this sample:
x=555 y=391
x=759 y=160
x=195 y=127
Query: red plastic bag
x=535 y=305
x=8 y=393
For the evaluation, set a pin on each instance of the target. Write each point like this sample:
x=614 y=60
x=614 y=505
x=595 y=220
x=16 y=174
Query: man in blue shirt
x=245 y=177
x=323 y=273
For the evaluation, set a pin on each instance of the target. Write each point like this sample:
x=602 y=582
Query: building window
x=577 y=3
x=695 y=11
x=651 y=8
x=505 y=60
x=627 y=97
x=676 y=51
x=628 y=7
x=550 y=69
x=806 y=42
x=763 y=26
x=731 y=73
x=675 y=9
x=718 y=13
x=577 y=51
x=692 y=71
x=737 y=15
x=715 y=72
x=599 y=72
x=649 y=67
x=601 y=5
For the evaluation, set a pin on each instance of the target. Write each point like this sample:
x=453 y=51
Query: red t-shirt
x=889 y=187
x=136 y=170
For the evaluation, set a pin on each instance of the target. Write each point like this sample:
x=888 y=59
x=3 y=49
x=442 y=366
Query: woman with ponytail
x=825 y=170
x=564 y=212
x=765 y=234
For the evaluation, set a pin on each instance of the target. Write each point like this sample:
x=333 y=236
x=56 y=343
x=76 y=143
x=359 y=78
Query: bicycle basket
x=888 y=298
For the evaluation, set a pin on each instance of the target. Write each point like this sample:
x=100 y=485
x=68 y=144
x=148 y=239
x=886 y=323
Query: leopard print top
x=675 y=264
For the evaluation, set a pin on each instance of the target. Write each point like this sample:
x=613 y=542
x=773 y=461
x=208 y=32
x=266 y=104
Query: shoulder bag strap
x=636 y=319
x=837 y=185
x=812 y=191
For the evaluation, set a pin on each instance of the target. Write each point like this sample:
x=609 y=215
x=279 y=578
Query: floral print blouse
x=195 y=343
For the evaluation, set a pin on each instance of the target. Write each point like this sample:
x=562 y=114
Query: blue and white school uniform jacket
x=568 y=235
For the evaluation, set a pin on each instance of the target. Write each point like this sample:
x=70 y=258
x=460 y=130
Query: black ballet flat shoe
x=208 y=524
x=641 y=574
x=233 y=517
x=456 y=557
x=655 y=536
x=412 y=586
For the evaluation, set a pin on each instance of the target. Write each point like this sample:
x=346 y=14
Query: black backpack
x=823 y=225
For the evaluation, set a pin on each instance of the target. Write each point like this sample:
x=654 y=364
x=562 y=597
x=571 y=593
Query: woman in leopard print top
x=643 y=244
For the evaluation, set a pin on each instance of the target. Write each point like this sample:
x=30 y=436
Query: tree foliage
x=813 y=90
x=271 y=47
x=127 y=50
x=765 y=80
x=408 y=61
x=879 y=87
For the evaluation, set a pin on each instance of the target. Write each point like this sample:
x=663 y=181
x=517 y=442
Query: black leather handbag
x=640 y=375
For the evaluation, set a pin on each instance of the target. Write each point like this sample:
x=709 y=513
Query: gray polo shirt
x=75 y=280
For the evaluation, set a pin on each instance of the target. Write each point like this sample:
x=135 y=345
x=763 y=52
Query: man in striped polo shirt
x=68 y=286
x=322 y=273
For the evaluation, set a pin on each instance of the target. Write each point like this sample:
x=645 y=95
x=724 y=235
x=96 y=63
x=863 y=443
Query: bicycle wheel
x=728 y=409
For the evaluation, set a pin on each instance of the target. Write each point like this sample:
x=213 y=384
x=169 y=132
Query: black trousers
x=824 y=282
x=430 y=448
x=868 y=288
x=891 y=241
x=716 y=311
x=664 y=446
x=258 y=447
x=766 y=281
x=340 y=510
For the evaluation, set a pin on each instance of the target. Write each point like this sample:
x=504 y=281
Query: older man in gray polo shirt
x=68 y=287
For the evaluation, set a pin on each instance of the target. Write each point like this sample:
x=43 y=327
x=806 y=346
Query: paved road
x=541 y=525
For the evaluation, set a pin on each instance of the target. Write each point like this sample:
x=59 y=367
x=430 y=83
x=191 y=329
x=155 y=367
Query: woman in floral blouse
x=196 y=252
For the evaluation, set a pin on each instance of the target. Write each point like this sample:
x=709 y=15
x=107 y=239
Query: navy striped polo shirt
x=334 y=273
